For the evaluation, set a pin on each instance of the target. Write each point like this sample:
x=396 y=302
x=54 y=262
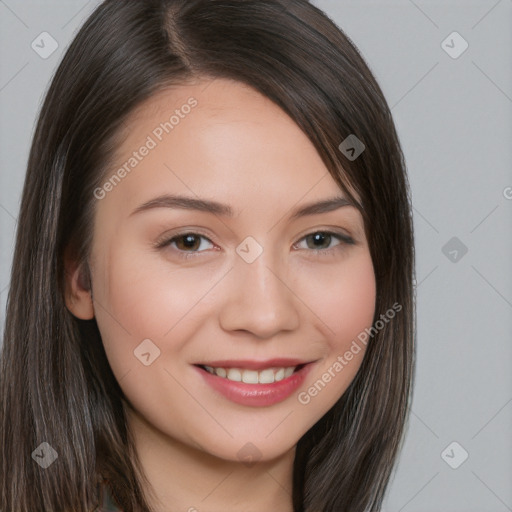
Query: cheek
x=140 y=297
x=344 y=300
x=342 y=297
x=350 y=305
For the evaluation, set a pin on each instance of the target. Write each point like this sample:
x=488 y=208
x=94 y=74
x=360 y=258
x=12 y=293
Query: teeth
x=234 y=374
x=279 y=374
x=267 y=376
x=249 y=377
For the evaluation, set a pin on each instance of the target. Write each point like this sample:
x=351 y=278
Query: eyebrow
x=216 y=208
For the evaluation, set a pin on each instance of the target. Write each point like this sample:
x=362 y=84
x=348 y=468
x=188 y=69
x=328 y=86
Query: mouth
x=246 y=375
x=255 y=383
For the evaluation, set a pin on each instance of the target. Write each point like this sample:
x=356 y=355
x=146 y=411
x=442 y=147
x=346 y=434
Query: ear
x=78 y=291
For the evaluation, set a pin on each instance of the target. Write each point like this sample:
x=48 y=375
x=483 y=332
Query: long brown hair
x=56 y=385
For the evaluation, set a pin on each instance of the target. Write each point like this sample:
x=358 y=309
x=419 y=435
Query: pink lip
x=255 y=395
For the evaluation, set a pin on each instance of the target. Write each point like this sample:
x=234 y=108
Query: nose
x=258 y=299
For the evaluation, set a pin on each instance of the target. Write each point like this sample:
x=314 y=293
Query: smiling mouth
x=247 y=376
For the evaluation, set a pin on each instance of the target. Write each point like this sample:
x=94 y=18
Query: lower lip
x=256 y=395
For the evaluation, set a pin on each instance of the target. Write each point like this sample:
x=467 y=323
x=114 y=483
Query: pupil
x=189 y=241
x=321 y=237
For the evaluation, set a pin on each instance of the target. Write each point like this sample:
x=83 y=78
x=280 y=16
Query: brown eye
x=188 y=241
x=320 y=241
x=186 y=244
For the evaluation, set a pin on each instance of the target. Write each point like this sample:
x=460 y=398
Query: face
x=227 y=324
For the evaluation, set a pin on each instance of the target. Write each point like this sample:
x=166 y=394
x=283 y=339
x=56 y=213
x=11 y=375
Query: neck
x=185 y=478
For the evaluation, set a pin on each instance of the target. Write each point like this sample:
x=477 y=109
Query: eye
x=188 y=242
x=321 y=240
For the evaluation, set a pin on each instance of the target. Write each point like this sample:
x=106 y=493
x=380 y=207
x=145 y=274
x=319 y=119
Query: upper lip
x=250 y=364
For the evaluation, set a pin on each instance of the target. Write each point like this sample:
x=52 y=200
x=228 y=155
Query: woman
x=211 y=304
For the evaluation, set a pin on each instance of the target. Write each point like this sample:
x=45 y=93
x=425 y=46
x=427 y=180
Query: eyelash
x=343 y=238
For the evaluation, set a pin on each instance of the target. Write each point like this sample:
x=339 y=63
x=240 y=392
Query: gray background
x=454 y=120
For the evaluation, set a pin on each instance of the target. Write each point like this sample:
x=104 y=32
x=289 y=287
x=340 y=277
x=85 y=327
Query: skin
x=238 y=148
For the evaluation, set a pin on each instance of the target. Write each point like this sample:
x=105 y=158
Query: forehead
x=219 y=139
